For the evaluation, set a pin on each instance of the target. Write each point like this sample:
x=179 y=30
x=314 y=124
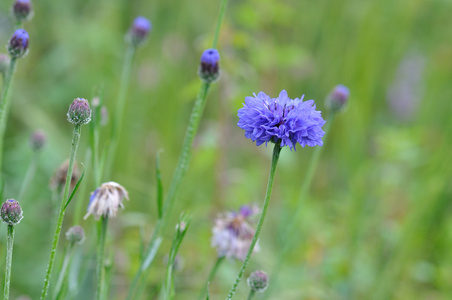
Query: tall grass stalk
x=29 y=175
x=75 y=140
x=211 y=275
x=271 y=177
x=9 y=259
x=102 y=233
x=63 y=272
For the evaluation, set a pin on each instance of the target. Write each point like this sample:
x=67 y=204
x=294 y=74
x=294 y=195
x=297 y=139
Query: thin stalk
x=271 y=177
x=181 y=168
x=29 y=175
x=120 y=105
x=211 y=275
x=103 y=224
x=251 y=295
x=63 y=272
x=5 y=104
x=75 y=139
x=9 y=259
x=289 y=229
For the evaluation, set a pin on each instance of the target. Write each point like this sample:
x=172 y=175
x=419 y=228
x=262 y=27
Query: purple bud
x=18 y=44
x=4 y=63
x=209 y=69
x=75 y=235
x=22 y=10
x=11 y=212
x=38 y=140
x=139 y=30
x=79 y=112
x=338 y=98
x=258 y=281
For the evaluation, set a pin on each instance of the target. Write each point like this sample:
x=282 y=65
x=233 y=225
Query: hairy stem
x=211 y=275
x=100 y=292
x=9 y=259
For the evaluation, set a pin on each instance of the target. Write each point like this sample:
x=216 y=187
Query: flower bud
x=79 y=112
x=38 y=140
x=258 y=281
x=209 y=69
x=75 y=235
x=22 y=10
x=139 y=30
x=4 y=63
x=11 y=212
x=337 y=100
x=18 y=44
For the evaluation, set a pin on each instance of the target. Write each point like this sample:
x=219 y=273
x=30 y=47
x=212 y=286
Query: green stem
x=62 y=275
x=75 y=139
x=220 y=21
x=9 y=259
x=5 y=104
x=290 y=228
x=211 y=275
x=120 y=106
x=250 y=295
x=103 y=224
x=29 y=175
x=271 y=177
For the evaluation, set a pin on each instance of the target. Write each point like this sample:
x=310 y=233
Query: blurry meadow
x=376 y=222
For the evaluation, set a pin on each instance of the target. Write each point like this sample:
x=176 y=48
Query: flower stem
x=102 y=230
x=220 y=21
x=211 y=275
x=271 y=177
x=120 y=106
x=29 y=175
x=289 y=229
x=9 y=259
x=62 y=275
x=75 y=139
x=250 y=295
x=5 y=103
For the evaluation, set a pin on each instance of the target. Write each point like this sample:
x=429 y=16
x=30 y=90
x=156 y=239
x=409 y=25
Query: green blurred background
x=376 y=224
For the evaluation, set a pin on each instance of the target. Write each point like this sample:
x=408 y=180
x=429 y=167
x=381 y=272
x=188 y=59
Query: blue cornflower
x=281 y=120
x=209 y=68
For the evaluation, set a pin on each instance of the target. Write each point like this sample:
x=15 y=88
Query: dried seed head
x=58 y=179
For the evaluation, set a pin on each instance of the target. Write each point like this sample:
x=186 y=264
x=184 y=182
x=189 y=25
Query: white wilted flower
x=106 y=200
x=233 y=233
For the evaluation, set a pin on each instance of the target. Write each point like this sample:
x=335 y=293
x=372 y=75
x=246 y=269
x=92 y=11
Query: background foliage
x=377 y=220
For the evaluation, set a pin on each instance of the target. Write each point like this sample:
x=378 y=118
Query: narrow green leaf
x=158 y=176
x=75 y=188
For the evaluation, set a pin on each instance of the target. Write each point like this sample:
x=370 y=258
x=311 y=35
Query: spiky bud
x=38 y=140
x=139 y=31
x=11 y=212
x=75 y=235
x=338 y=98
x=22 y=10
x=209 y=68
x=79 y=112
x=4 y=63
x=18 y=44
x=258 y=281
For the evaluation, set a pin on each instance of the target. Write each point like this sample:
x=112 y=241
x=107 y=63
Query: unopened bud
x=38 y=140
x=18 y=44
x=75 y=235
x=337 y=100
x=209 y=69
x=258 y=281
x=139 y=31
x=11 y=212
x=22 y=10
x=79 y=112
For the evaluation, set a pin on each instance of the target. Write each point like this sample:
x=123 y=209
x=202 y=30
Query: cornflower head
x=38 y=140
x=22 y=10
x=106 y=200
x=18 y=44
x=233 y=233
x=139 y=31
x=258 y=281
x=337 y=100
x=281 y=120
x=209 y=69
x=75 y=235
x=79 y=112
x=11 y=212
